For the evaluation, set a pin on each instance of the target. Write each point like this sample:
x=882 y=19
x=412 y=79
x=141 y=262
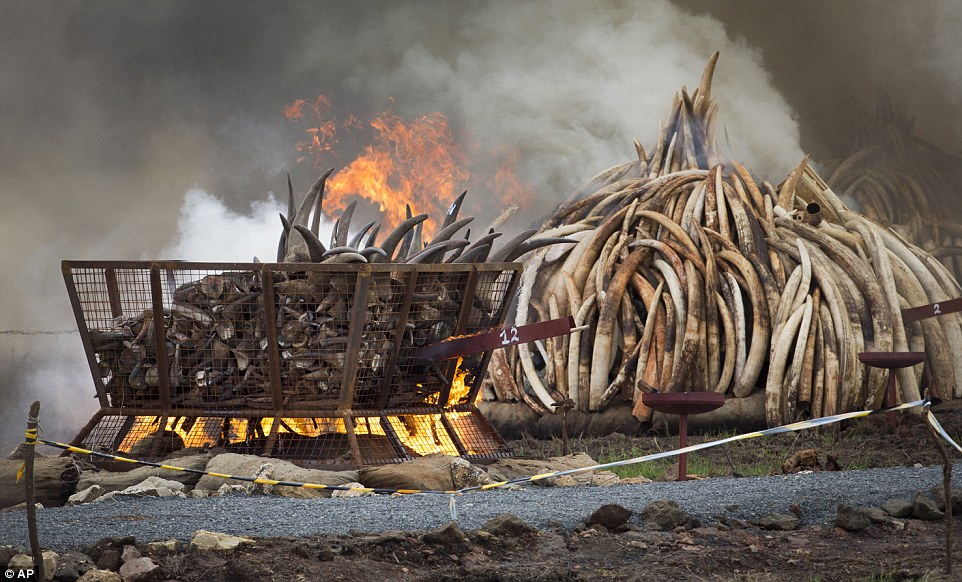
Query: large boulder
x=117 y=481
x=665 y=515
x=430 y=473
x=21 y=563
x=610 y=515
x=925 y=508
x=249 y=465
x=54 y=481
x=851 y=518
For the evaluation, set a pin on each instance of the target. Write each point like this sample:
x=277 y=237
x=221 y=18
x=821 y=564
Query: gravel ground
x=152 y=519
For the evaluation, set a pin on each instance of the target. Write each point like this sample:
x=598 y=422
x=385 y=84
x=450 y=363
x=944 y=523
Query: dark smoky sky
x=110 y=111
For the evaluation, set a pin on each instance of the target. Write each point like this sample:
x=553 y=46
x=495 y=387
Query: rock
x=925 y=508
x=897 y=507
x=464 y=474
x=100 y=576
x=431 y=473
x=130 y=553
x=72 y=565
x=850 y=518
x=448 y=535
x=247 y=465
x=120 y=480
x=86 y=496
x=199 y=493
x=8 y=552
x=163 y=548
x=109 y=559
x=876 y=514
x=106 y=552
x=266 y=471
x=778 y=522
x=140 y=570
x=665 y=515
x=54 y=481
x=956 y=496
x=22 y=562
x=610 y=515
x=217 y=542
x=339 y=493
x=149 y=487
x=507 y=525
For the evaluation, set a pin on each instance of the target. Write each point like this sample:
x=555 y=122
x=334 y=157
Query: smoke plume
x=154 y=130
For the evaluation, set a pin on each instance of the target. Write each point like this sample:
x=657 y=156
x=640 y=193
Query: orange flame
x=407 y=162
x=423 y=434
x=416 y=164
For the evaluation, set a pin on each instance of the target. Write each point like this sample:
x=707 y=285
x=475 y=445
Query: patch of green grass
x=864 y=444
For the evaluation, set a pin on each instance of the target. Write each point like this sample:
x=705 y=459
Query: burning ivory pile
x=692 y=276
x=216 y=323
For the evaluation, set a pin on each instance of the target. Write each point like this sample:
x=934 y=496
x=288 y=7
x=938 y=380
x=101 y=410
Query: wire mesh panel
x=308 y=362
x=313 y=323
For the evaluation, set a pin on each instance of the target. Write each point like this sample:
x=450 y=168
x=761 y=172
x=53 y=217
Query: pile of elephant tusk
x=693 y=276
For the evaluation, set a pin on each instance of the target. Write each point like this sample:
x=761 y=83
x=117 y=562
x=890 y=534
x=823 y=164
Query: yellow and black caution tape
x=797 y=426
x=30 y=436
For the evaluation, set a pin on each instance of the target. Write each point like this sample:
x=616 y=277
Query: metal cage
x=313 y=363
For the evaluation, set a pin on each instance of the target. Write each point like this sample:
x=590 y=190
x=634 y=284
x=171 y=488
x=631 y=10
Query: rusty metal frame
x=85 y=336
x=343 y=407
x=160 y=340
x=486 y=357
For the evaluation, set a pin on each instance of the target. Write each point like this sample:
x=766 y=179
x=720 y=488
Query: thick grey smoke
x=828 y=59
x=118 y=118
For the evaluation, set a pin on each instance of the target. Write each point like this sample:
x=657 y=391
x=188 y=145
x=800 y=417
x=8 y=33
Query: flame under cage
x=313 y=363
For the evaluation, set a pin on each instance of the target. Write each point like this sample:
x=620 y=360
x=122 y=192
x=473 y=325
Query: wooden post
x=31 y=441
x=946 y=494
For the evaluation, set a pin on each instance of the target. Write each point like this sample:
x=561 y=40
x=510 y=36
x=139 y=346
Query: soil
x=704 y=553
x=909 y=549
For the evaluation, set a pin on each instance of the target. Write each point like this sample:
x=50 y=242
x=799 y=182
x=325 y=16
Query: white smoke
x=210 y=231
x=573 y=83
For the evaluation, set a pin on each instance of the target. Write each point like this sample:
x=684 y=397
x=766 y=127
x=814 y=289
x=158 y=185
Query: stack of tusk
x=690 y=275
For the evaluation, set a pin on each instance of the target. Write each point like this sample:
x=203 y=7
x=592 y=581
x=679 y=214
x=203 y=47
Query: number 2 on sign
x=513 y=339
x=937 y=309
